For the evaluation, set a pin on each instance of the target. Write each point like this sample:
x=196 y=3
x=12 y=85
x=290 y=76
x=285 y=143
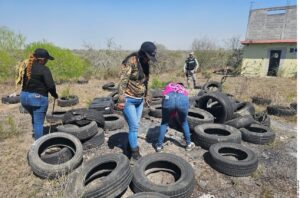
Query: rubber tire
x=204 y=139
x=82 y=81
x=239 y=168
x=260 y=101
x=51 y=171
x=240 y=122
x=10 y=100
x=74 y=115
x=293 y=105
x=82 y=133
x=198 y=116
x=104 y=104
x=115 y=96
x=224 y=104
x=95 y=141
x=257 y=134
x=148 y=195
x=57 y=116
x=209 y=84
x=156 y=93
x=156 y=101
x=245 y=108
x=113 y=122
x=278 y=110
x=263 y=119
x=156 y=111
x=59 y=157
x=110 y=187
x=183 y=187
x=107 y=85
x=62 y=102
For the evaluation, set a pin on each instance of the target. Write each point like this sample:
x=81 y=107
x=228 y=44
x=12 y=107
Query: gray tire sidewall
x=194 y=121
x=155 y=111
x=115 y=124
x=148 y=195
x=242 y=167
x=184 y=183
x=206 y=140
x=256 y=137
x=110 y=187
x=45 y=170
x=82 y=133
x=70 y=102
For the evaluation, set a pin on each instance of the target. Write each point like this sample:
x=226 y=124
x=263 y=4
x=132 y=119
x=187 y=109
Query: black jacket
x=41 y=81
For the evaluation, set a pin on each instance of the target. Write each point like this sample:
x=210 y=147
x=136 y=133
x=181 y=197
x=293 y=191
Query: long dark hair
x=143 y=67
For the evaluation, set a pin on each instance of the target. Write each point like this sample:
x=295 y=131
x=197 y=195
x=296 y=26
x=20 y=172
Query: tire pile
x=218 y=123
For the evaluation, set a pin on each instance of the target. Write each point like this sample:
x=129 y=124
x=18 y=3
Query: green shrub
x=66 y=66
x=156 y=83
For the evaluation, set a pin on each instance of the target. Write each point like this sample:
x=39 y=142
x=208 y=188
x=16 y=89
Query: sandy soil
x=275 y=176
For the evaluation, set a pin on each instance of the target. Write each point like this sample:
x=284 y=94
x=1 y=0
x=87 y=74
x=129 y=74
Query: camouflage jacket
x=130 y=84
x=20 y=71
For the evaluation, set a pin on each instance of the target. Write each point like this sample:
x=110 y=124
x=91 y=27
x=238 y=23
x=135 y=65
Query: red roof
x=268 y=41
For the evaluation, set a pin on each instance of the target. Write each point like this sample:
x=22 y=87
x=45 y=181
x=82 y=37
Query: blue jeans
x=37 y=106
x=133 y=112
x=174 y=102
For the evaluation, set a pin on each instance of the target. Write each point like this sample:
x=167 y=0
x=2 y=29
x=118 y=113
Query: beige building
x=270 y=47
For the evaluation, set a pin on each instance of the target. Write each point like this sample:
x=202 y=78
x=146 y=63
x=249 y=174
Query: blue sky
x=173 y=23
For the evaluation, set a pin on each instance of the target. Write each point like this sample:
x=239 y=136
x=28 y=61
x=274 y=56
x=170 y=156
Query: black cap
x=150 y=50
x=42 y=53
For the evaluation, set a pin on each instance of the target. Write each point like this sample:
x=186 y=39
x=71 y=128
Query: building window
x=293 y=50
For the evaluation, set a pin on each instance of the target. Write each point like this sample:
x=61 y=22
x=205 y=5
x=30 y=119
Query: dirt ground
x=275 y=176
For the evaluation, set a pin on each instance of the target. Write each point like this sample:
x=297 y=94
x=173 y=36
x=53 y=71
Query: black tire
x=116 y=173
x=201 y=92
x=208 y=134
x=156 y=111
x=113 y=122
x=82 y=133
x=107 y=85
x=148 y=195
x=51 y=171
x=22 y=109
x=156 y=93
x=257 y=134
x=104 y=104
x=260 y=100
x=74 y=115
x=262 y=118
x=245 y=108
x=146 y=111
x=10 y=99
x=82 y=81
x=193 y=101
x=156 y=101
x=115 y=96
x=198 y=116
x=56 y=116
x=61 y=156
x=241 y=121
x=278 y=110
x=95 y=141
x=218 y=104
x=245 y=160
x=212 y=86
x=67 y=101
x=198 y=87
x=181 y=170
x=293 y=105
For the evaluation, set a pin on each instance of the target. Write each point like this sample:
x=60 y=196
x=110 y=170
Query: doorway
x=274 y=62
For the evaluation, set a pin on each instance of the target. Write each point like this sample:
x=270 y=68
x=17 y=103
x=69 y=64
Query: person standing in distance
x=190 y=67
x=36 y=83
x=133 y=88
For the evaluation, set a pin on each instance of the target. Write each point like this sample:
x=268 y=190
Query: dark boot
x=135 y=154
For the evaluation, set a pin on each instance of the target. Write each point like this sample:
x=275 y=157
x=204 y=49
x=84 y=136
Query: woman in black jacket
x=37 y=82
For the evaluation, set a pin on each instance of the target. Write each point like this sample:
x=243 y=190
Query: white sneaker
x=190 y=146
x=158 y=148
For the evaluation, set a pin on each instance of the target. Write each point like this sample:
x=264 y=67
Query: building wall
x=263 y=24
x=256 y=59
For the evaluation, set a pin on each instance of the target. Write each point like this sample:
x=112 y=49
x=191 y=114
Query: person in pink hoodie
x=175 y=101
